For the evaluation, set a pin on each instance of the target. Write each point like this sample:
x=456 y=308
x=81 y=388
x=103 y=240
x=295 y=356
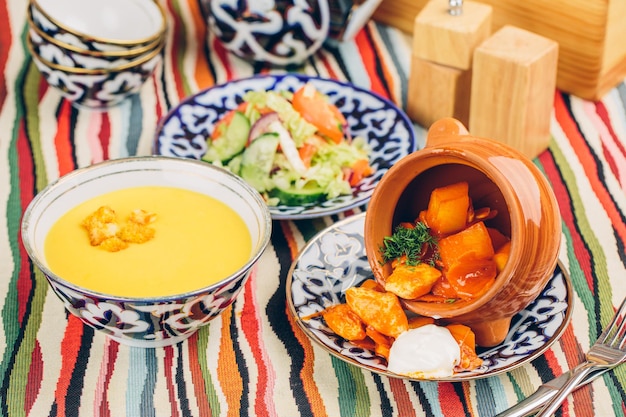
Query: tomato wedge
x=315 y=109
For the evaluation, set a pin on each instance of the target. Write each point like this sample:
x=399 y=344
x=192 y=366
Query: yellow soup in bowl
x=197 y=241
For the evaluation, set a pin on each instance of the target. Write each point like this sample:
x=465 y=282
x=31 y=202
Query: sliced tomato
x=315 y=109
x=359 y=170
x=306 y=152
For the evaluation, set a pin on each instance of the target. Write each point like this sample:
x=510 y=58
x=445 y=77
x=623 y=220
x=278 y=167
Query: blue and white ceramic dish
x=278 y=33
x=335 y=260
x=387 y=129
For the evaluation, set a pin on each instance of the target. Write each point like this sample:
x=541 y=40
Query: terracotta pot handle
x=444 y=131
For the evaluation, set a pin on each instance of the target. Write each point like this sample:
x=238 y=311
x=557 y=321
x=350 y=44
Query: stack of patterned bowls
x=97 y=53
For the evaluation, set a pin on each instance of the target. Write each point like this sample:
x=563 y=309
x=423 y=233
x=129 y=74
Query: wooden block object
x=443 y=46
x=436 y=91
x=399 y=13
x=513 y=86
x=448 y=39
x=590 y=33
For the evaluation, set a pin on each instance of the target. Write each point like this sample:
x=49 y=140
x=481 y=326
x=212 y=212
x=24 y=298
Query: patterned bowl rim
x=101 y=71
x=459 y=377
x=73 y=177
x=303 y=78
x=135 y=42
x=127 y=53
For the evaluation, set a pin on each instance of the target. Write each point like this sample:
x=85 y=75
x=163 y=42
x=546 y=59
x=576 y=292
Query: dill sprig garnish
x=409 y=242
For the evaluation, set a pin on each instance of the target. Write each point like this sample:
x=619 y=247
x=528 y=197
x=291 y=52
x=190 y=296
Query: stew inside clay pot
x=499 y=177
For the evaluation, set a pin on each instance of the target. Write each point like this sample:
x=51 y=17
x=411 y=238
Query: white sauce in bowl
x=426 y=352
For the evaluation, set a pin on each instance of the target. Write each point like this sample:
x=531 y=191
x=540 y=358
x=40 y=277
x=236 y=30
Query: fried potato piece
x=372 y=284
x=382 y=343
x=140 y=216
x=105 y=232
x=448 y=208
x=412 y=281
x=471 y=277
x=345 y=322
x=501 y=256
x=132 y=232
x=467 y=343
x=100 y=225
x=382 y=311
x=474 y=240
x=419 y=321
x=113 y=244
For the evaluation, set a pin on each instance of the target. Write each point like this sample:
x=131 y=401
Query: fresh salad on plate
x=295 y=148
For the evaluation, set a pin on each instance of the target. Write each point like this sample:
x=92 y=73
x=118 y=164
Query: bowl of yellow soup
x=147 y=249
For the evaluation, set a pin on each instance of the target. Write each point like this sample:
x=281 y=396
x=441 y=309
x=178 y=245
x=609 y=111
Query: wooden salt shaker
x=513 y=87
x=445 y=34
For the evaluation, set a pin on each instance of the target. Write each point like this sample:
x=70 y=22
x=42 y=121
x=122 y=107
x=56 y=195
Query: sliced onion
x=288 y=147
x=261 y=125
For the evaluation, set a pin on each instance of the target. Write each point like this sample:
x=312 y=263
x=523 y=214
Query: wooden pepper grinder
x=513 y=86
x=445 y=34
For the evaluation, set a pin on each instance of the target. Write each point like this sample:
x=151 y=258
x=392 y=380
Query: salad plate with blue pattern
x=386 y=131
x=335 y=260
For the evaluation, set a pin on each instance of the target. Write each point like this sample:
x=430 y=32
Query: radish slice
x=288 y=146
x=262 y=125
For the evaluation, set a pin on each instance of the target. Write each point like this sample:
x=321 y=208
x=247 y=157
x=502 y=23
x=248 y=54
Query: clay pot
x=499 y=177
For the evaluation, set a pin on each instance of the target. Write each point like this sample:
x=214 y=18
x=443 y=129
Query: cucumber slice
x=299 y=196
x=232 y=142
x=257 y=161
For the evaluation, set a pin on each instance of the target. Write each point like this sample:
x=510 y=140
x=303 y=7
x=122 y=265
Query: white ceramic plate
x=335 y=260
x=389 y=132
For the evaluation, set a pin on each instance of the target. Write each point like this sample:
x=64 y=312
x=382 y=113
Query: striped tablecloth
x=254 y=360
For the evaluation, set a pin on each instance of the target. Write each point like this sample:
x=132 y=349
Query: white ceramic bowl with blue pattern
x=389 y=132
x=146 y=321
x=96 y=89
x=335 y=260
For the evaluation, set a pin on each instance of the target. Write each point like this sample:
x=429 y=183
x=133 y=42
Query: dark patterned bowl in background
x=280 y=33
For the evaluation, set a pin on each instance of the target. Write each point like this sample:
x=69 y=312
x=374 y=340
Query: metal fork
x=607 y=352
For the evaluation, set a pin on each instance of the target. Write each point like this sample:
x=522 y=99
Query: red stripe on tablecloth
x=5 y=39
x=560 y=189
x=63 y=140
x=590 y=167
x=329 y=68
x=370 y=61
x=401 y=397
x=168 y=365
x=450 y=402
x=222 y=54
x=157 y=95
x=34 y=378
x=26 y=167
x=387 y=73
x=583 y=402
x=105 y=135
x=70 y=346
x=290 y=239
x=43 y=87
x=603 y=114
x=197 y=379
x=104 y=380
x=251 y=326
